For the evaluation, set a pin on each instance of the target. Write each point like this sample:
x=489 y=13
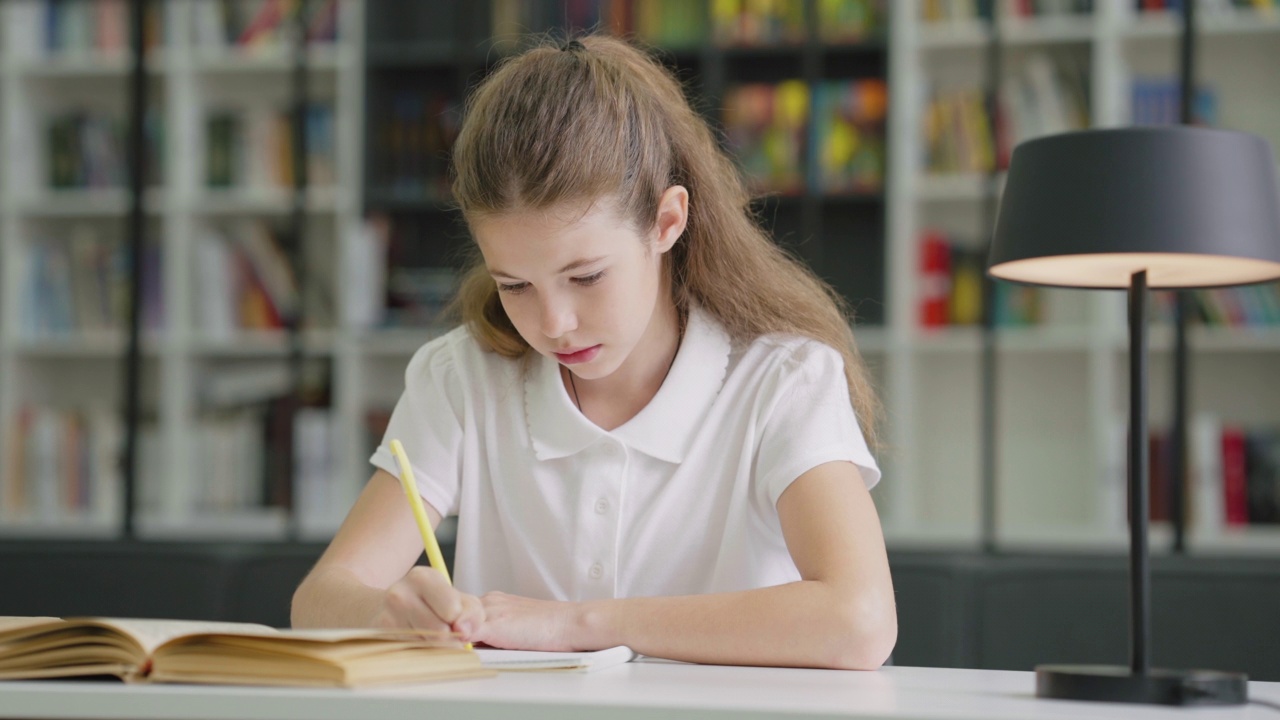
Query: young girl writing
x=652 y=425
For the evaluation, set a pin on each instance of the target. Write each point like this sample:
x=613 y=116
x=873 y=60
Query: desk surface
x=646 y=689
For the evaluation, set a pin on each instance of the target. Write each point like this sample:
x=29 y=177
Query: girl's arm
x=367 y=575
x=839 y=615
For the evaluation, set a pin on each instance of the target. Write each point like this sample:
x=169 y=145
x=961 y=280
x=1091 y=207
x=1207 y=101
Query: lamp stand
x=1139 y=683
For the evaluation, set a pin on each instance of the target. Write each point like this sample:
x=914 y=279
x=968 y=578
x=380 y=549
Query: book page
x=18 y=623
x=150 y=634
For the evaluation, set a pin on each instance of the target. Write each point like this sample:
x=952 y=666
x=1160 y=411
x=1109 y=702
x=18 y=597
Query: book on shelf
x=256 y=25
x=414 y=133
x=144 y=650
x=421 y=278
x=259 y=447
x=63 y=28
x=851 y=21
x=253 y=148
x=86 y=150
x=1049 y=94
x=364 y=272
x=1210 y=7
x=767 y=126
x=76 y=284
x=848 y=148
x=245 y=281
x=1232 y=474
x=1157 y=101
x=749 y=23
x=62 y=465
x=670 y=24
x=950 y=280
x=512 y=20
x=944 y=11
x=1250 y=306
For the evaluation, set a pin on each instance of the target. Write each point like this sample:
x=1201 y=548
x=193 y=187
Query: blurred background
x=290 y=243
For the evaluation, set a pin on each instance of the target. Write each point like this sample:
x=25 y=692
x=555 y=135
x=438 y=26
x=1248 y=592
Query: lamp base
x=1115 y=683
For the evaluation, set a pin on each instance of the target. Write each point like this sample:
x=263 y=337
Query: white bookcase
x=82 y=370
x=1061 y=385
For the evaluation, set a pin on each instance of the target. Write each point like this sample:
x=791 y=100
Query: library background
x=297 y=245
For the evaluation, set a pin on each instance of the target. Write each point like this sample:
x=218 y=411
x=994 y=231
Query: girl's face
x=581 y=288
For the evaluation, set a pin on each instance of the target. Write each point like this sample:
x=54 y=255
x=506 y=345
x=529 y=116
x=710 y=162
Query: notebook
x=529 y=660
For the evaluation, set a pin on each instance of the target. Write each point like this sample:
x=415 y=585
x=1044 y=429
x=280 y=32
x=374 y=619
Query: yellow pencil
x=410 y=486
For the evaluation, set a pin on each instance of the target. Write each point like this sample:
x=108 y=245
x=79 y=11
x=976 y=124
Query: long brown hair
x=599 y=117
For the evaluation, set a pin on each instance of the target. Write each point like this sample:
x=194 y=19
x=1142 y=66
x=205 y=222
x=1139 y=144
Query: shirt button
x=596 y=571
x=602 y=506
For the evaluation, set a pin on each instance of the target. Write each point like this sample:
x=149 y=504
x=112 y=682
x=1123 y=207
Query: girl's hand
x=520 y=623
x=424 y=600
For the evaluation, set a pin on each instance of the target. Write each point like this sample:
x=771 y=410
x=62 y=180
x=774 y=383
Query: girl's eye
x=589 y=279
x=513 y=288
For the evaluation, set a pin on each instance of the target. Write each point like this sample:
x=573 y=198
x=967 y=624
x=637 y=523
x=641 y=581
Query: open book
x=136 y=650
x=562 y=661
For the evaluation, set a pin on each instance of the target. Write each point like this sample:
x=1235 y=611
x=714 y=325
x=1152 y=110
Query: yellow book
x=186 y=651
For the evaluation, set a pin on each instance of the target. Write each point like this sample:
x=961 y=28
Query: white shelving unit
x=75 y=371
x=1061 y=386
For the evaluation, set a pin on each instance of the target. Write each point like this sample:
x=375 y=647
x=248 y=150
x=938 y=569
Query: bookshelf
x=61 y=374
x=1061 y=384
x=394 y=77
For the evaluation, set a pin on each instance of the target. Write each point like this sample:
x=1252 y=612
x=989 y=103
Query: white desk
x=651 y=689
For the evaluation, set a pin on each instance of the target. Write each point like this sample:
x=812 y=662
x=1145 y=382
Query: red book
x=935 y=279
x=1235 y=502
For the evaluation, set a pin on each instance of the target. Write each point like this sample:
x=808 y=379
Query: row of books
x=254 y=147
x=86 y=149
x=789 y=136
x=1158 y=101
x=245 y=282
x=62 y=464
x=1207 y=6
x=254 y=25
x=78 y=283
x=1233 y=475
x=683 y=24
x=413 y=135
x=941 y=11
x=1247 y=306
x=758 y=22
x=67 y=28
x=1048 y=95
x=951 y=277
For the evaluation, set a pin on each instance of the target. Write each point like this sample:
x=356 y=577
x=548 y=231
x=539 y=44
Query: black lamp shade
x=1194 y=207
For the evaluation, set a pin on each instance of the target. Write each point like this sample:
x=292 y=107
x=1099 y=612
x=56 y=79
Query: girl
x=652 y=423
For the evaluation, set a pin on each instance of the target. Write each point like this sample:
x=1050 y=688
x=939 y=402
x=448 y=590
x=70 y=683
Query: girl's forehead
x=599 y=221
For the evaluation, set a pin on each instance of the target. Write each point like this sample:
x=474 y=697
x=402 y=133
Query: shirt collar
x=664 y=429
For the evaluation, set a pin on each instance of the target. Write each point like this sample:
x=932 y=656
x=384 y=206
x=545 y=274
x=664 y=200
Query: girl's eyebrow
x=571 y=266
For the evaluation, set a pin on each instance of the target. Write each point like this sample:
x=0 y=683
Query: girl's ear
x=673 y=215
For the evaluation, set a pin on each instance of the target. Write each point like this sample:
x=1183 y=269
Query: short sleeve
x=427 y=420
x=810 y=421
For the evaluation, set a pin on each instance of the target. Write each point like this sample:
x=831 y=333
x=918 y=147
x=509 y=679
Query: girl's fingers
x=431 y=585
x=471 y=618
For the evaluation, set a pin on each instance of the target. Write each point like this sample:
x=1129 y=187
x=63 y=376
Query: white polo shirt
x=679 y=500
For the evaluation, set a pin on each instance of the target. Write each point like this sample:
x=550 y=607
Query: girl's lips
x=580 y=356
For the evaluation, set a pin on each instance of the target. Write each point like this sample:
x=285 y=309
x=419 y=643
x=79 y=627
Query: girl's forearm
x=802 y=624
x=333 y=597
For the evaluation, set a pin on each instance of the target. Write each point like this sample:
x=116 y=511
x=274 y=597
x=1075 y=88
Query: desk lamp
x=1138 y=208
